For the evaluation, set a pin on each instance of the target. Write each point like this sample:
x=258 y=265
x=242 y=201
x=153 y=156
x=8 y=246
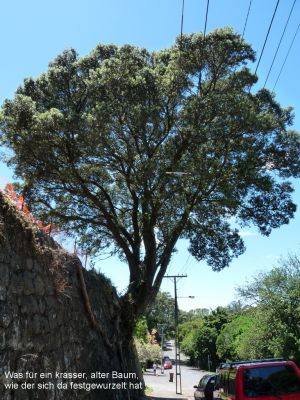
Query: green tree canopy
x=228 y=341
x=276 y=294
x=141 y=331
x=199 y=337
x=191 y=315
x=254 y=341
x=161 y=311
x=98 y=142
x=202 y=347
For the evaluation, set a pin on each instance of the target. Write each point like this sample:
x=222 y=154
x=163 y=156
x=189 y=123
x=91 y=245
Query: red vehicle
x=168 y=364
x=268 y=379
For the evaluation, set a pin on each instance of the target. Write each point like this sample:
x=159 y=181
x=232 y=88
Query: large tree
x=132 y=150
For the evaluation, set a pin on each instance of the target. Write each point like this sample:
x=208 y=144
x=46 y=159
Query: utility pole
x=161 y=328
x=177 y=347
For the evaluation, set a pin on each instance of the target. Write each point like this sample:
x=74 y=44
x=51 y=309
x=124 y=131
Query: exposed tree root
x=88 y=306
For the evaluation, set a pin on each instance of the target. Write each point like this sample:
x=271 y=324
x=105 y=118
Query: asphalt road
x=164 y=389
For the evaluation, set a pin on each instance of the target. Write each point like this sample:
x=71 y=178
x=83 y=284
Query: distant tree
x=197 y=313
x=276 y=294
x=200 y=346
x=236 y=307
x=187 y=337
x=186 y=328
x=141 y=330
x=254 y=341
x=200 y=342
x=147 y=352
x=161 y=311
x=131 y=151
x=230 y=338
x=218 y=318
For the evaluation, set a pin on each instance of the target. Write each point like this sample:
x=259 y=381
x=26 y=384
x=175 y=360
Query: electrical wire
x=188 y=266
x=275 y=55
x=286 y=57
x=181 y=27
x=266 y=38
x=204 y=34
x=247 y=18
x=185 y=265
x=206 y=17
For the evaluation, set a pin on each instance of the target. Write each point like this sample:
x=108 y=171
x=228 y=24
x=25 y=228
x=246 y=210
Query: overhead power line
x=286 y=57
x=266 y=38
x=206 y=18
x=181 y=26
x=247 y=18
x=186 y=265
x=275 y=55
x=204 y=34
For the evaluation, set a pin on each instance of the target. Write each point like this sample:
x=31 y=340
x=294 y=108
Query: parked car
x=166 y=346
x=266 y=379
x=204 y=389
x=168 y=364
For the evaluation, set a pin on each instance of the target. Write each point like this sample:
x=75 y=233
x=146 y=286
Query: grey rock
x=28 y=282
x=4 y=274
x=39 y=286
x=43 y=330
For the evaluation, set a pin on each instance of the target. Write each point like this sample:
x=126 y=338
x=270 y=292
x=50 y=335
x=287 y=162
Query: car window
x=203 y=381
x=223 y=379
x=210 y=384
x=200 y=385
x=231 y=382
x=263 y=381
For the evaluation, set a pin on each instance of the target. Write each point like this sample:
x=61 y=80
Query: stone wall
x=45 y=324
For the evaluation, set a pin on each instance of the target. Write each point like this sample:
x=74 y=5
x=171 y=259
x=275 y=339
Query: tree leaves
x=276 y=296
x=98 y=141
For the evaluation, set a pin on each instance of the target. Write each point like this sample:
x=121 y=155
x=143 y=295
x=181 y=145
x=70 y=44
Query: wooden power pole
x=177 y=347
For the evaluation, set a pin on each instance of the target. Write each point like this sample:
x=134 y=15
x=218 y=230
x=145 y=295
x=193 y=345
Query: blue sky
x=34 y=32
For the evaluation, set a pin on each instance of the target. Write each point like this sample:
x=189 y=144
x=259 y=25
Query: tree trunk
x=49 y=326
